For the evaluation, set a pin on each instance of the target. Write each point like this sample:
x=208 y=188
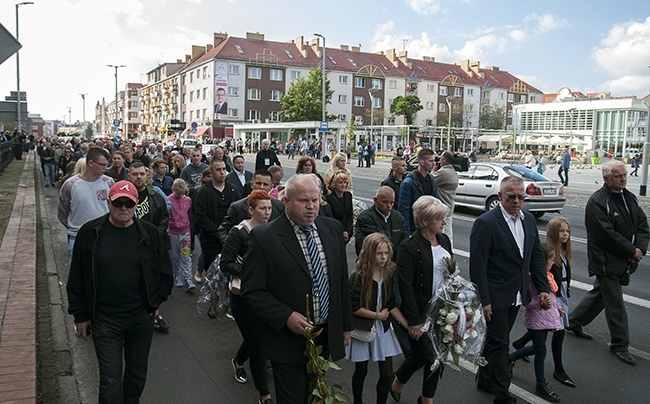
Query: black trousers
x=419 y=358
x=249 y=326
x=291 y=380
x=496 y=374
x=607 y=294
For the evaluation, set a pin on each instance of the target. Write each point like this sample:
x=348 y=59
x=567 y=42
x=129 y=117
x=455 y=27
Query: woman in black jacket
x=421 y=270
x=234 y=248
x=340 y=201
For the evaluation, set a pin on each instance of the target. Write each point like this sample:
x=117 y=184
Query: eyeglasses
x=512 y=197
x=98 y=163
x=118 y=203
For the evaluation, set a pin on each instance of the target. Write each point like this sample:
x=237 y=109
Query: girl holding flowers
x=372 y=304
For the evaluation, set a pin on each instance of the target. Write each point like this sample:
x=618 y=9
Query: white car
x=479 y=186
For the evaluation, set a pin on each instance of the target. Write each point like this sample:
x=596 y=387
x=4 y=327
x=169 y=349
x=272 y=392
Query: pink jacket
x=179 y=220
x=536 y=318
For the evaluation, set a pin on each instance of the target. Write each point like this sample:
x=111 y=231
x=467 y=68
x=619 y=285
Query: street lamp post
x=372 y=113
x=83 y=97
x=449 y=98
x=324 y=137
x=18 y=127
x=69 y=116
x=116 y=67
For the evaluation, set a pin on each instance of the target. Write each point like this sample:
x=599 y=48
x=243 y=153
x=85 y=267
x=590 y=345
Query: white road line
x=514 y=389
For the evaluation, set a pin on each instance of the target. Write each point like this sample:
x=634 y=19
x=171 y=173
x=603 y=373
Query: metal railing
x=6 y=154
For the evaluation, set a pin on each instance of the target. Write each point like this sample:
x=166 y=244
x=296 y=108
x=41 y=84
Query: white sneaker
x=198 y=278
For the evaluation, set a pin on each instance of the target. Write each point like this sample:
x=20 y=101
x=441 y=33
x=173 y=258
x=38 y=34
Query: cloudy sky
x=587 y=46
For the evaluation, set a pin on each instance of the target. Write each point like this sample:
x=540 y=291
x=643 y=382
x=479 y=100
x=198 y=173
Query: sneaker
x=178 y=282
x=267 y=401
x=189 y=285
x=159 y=324
x=240 y=373
x=198 y=278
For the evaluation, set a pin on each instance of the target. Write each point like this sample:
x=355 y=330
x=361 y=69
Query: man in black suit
x=298 y=260
x=238 y=210
x=505 y=253
x=239 y=176
x=221 y=107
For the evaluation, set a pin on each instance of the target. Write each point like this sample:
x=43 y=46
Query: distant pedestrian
x=115 y=294
x=266 y=157
x=635 y=165
x=564 y=167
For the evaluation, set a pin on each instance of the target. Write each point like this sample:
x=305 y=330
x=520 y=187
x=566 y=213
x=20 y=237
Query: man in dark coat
x=296 y=269
x=266 y=157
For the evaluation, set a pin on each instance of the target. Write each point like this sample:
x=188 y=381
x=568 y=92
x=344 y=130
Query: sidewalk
x=18 y=383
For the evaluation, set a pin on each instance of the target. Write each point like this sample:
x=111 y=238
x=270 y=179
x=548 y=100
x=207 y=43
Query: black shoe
x=212 y=312
x=159 y=324
x=240 y=373
x=626 y=357
x=546 y=392
x=396 y=396
x=580 y=333
x=564 y=379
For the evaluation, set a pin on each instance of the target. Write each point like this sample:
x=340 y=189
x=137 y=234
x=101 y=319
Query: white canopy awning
x=494 y=138
x=542 y=140
x=557 y=140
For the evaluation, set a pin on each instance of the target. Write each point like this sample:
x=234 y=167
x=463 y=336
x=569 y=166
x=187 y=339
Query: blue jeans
x=49 y=169
x=538 y=349
x=71 y=240
x=122 y=338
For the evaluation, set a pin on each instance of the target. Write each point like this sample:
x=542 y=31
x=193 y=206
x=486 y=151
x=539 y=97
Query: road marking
x=514 y=389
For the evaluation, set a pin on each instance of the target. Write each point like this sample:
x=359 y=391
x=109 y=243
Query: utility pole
x=83 y=97
x=70 y=116
x=18 y=124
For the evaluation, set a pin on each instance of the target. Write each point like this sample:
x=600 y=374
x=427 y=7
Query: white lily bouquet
x=455 y=323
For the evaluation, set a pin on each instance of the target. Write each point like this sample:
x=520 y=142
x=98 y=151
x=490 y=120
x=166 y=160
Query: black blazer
x=342 y=210
x=415 y=274
x=495 y=264
x=276 y=280
x=238 y=211
x=387 y=302
x=234 y=180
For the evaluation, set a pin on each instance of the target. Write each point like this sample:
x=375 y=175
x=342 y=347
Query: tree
x=303 y=100
x=493 y=117
x=406 y=106
x=351 y=130
x=377 y=116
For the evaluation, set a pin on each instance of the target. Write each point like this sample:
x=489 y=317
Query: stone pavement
x=18 y=382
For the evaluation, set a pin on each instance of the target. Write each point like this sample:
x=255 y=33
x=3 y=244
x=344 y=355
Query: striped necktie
x=321 y=288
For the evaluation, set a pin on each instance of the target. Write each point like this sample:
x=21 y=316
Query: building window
x=376 y=102
x=343 y=98
x=191 y=115
x=501 y=96
x=275 y=75
x=522 y=99
x=470 y=92
x=358 y=119
x=359 y=101
x=205 y=113
x=509 y=113
x=205 y=72
x=359 y=82
x=532 y=98
x=443 y=90
x=342 y=118
x=276 y=95
x=191 y=77
x=431 y=88
x=295 y=74
x=442 y=107
x=191 y=96
x=274 y=116
x=133 y=93
x=390 y=101
x=133 y=104
x=511 y=98
x=233 y=69
x=233 y=91
x=377 y=84
x=254 y=73
x=392 y=84
x=343 y=79
x=430 y=105
x=254 y=94
x=253 y=115
x=391 y=120
x=205 y=93
x=458 y=91
x=233 y=112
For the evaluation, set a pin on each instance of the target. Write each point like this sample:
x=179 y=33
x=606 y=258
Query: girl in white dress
x=372 y=303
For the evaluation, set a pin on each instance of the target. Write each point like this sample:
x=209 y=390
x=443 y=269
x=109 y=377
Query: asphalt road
x=191 y=363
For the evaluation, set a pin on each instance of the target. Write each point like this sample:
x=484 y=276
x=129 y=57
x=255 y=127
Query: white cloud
x=546 y=22
x=627 y=85
x=535 y=82
x=384 y=39
x=625 y=50
x=424 y=6
x=517 y=35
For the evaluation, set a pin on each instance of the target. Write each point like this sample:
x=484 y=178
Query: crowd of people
x=281 y=241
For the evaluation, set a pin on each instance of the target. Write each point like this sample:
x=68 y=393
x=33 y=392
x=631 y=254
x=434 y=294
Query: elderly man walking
x=617 y=239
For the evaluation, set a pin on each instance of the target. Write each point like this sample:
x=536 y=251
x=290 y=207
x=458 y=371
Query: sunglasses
x=118 y=203
x=512 y=197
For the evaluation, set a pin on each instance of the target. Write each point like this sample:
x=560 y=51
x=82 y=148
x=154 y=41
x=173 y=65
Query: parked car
x=479 y=186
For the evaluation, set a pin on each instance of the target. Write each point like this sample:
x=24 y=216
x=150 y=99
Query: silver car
x=479 y=187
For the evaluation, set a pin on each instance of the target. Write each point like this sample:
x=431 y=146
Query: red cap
x=123 y=189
